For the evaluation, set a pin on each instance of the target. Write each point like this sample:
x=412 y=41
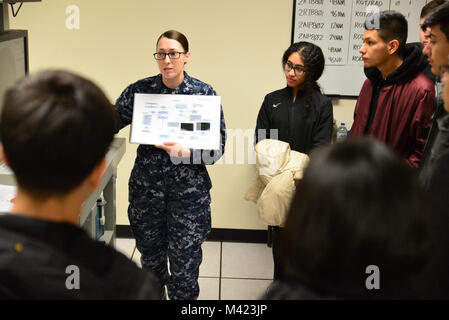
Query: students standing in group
x=169 y=202
x=397 y=100
x=424 y=35
x=300 y=113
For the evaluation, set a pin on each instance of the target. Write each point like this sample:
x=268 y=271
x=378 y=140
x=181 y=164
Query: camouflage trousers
x=172 y=229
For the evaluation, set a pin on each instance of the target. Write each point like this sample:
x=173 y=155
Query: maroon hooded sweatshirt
x=397 y=110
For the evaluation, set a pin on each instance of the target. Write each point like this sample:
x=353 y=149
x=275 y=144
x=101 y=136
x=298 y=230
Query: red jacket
x=405 y=106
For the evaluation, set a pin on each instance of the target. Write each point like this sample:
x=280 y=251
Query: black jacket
x=414 y=61
x=35 y=255
x=280 y=112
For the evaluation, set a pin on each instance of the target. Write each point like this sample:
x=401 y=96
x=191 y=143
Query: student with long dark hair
x=56 y=128
x=300 y=113
x=358 y=226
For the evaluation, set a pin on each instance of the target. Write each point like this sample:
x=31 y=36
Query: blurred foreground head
x=55 y=128
x=357 y=205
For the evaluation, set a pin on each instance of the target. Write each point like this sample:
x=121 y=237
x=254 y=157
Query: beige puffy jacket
x=274 y=187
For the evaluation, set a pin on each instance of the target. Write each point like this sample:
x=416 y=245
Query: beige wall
x=236 y=47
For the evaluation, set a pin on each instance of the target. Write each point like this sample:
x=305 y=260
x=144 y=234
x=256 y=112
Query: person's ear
x=3 y=156
x=393 y=46
x=187 y=58
x=94 y=178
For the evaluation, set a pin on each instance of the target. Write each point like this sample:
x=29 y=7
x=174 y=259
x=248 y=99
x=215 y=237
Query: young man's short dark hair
x=391 y=25
x=429 y=7
x=55 y=128
x=439 y=16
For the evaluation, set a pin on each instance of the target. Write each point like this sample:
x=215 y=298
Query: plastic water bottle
x=334 y=131
x=342 y=132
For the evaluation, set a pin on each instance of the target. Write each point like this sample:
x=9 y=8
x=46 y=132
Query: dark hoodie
x=397 y=110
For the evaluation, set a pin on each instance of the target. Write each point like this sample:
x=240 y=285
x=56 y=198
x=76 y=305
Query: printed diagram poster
x=191 y=120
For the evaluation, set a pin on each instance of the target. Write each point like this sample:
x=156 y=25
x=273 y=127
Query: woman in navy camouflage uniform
x=169 y=201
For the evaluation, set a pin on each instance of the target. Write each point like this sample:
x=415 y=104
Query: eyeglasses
x=444 y=70
x=172 y=55
x=298 y=70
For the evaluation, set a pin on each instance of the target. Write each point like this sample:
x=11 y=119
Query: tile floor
x=230 y=271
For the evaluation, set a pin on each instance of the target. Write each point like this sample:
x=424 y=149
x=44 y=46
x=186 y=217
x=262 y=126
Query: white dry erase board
x=337 y=27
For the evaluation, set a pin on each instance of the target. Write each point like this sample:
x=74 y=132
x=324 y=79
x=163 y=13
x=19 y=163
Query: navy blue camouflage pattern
x=169 y=203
